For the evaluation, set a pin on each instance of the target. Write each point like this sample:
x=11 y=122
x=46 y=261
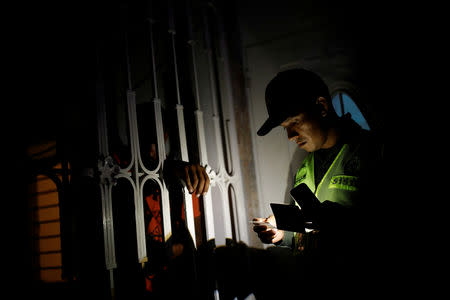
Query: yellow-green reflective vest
x=335 y=186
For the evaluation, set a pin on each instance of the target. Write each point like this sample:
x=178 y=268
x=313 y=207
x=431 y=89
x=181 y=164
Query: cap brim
x=268 y=125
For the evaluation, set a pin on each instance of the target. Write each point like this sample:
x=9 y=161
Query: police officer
x=342 y=168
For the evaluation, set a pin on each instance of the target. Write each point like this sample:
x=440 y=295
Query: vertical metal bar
x=108 y=227
x=105 y=191
x=208 y=47
x=212 y=82
x=101 y=116
x=188 y=205
x=192 y=43
x=207 y=203
x=189 y=211
x=156 y=102
x=198 y=112
x=182 y=132
x=138 y=200
x=233 y=209
x=165 y=203
x=152 y=54
x=199 y=122
x=172 y=34
x=231 y=131
x=221 y=173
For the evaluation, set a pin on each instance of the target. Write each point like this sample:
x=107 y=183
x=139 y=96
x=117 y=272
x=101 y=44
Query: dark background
x=51 y=63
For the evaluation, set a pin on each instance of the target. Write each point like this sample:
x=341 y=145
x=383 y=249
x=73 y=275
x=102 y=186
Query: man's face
x=305 y=129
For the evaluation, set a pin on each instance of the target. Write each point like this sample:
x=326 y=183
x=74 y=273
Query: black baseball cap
x=289 y=93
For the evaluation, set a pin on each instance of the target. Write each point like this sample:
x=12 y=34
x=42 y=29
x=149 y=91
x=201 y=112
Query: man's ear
x=323 y=106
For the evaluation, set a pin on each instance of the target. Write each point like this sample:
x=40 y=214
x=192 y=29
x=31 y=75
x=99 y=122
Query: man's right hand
x=268 y=235
x=192 y=175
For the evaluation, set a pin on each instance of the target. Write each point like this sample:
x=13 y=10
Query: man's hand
x=194 y=176
x=196 y=179
x=268 y=235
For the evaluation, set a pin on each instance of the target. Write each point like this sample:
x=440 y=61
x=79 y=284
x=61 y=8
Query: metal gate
x=165 y=87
